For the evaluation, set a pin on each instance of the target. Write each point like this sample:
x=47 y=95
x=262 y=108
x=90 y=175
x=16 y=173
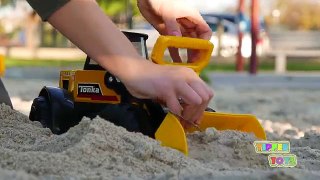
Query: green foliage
x=13 y=62
x=6 y=2
x=266 y=64
x=299 y=15
x=117 y=7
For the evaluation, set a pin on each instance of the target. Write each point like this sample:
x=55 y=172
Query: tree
x=299 y=15
x=120 y=8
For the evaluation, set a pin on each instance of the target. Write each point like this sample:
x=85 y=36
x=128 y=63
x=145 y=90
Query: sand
x=97 y=149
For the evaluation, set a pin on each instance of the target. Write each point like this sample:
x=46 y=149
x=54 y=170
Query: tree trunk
x=32 y=33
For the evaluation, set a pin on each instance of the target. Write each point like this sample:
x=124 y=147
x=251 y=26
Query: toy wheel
x=40 y=111
x=54 y=109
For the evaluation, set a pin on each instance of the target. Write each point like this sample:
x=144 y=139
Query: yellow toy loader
x=95 y=92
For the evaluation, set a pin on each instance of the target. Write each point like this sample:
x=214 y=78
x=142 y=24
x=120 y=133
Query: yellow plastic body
x=171 y=133
x=225 y=121
x=163 y=42
x=2 y=65
x=67 y=80
x=76 y=80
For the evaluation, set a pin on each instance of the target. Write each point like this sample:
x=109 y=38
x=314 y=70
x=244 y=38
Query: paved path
x=303 y=80
x=294 y=80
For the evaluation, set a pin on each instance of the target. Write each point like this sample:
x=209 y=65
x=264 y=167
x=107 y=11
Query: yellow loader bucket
x=2 y=66
x=171 y=133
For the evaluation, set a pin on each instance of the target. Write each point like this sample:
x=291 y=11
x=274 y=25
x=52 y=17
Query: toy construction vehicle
x=95 y=92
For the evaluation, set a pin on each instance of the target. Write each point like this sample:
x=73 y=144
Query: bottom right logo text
x=282 y=160
x=279 y=153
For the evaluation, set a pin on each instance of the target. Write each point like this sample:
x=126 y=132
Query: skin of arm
x=84 y=23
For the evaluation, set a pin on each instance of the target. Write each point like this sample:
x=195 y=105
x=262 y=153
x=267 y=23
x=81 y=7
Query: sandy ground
x=288 y=107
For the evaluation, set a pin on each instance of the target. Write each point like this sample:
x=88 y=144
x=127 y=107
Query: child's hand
x=167 y=84
x=175 y=17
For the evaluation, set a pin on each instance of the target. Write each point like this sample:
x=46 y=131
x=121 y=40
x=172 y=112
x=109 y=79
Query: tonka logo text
x=89 y=89
x=278 y=153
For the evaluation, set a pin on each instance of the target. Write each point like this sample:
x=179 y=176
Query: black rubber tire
x=54 y=109
x=40 y=111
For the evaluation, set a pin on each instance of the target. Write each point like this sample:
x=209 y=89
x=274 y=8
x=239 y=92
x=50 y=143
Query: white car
x=229 y=39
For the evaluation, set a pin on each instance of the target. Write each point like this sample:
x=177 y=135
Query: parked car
x=229 y=38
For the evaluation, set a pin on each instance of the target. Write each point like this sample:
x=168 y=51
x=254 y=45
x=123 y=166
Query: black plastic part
x=134 y=118
x=112 y=83
x=133 y=37
x=54 y=109
x=209 y=109
x=156 y=114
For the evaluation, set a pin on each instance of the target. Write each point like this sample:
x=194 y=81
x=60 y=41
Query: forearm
x=83 y=22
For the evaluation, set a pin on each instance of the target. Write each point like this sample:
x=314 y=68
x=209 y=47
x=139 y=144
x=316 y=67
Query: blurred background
x=284 y=33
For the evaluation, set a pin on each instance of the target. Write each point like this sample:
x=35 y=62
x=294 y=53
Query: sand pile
x=298 y=106
x=99 y=150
